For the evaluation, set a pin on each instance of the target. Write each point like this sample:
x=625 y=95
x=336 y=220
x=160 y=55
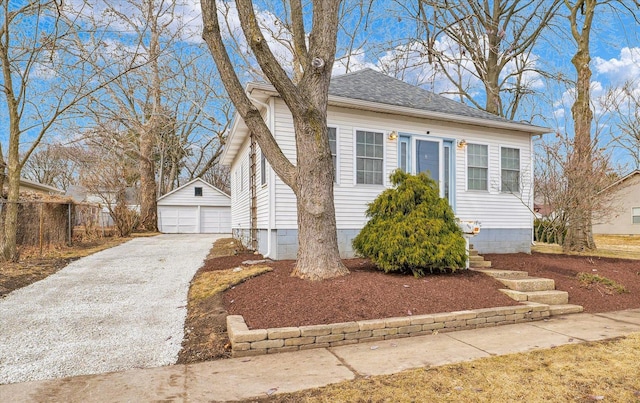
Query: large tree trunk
x=581 y=192
x=318 y=255
x=148 y=203
x=9 y=241
x=149 y=133
x=10 y=228
x=311 y=179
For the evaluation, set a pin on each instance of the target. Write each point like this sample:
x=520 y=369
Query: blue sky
x=389 y=36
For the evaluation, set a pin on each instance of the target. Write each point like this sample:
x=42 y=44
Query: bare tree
x=492 y=42
x=43 y=78
x=50 y=165
x=624 y=104
x=110 y=174
x=311 y=178
x=558 y=186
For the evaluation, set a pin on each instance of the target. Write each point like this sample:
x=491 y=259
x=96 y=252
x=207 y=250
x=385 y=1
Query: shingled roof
x=373 y=86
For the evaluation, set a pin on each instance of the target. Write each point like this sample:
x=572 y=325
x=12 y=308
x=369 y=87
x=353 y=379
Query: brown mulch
x=276 y=299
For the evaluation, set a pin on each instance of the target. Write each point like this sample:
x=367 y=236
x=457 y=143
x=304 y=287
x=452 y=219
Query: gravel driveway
x=118 y=309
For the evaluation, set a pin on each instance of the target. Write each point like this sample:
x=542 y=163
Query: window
x=198 y=191
x=510 y=165
x=333 y=144
x=635 y=212
x=263 y=169
x=369 y=157
x=477 y=166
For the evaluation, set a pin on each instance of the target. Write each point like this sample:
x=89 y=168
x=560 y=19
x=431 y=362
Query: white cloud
x=624 y=68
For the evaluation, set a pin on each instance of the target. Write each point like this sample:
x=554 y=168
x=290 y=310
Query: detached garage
x=195 y=208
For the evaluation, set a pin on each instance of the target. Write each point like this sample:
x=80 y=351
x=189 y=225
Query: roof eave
x=235 y=140
x=406 y=111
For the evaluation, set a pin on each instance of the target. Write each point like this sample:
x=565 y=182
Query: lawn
x=606 y=371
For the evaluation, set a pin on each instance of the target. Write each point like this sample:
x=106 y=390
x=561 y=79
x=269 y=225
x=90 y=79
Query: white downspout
x=271 y=178
x=532 y=190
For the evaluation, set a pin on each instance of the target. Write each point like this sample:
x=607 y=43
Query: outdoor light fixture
x=462 y=143
x=393 y=135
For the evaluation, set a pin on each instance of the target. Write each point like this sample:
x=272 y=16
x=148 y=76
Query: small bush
x=589 y=280
x=549 y=231
x=411 y=229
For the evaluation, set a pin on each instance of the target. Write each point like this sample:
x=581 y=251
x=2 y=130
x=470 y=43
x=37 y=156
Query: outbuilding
x=195 y=208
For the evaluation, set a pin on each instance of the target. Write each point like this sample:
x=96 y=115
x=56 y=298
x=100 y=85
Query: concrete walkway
x=247 y=378
x=118 y=309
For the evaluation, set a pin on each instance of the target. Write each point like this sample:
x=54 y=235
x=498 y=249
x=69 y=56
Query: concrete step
x=497 y=273
x=564 y=309
x=552 y=297
x=476 y=258
x=480 y=264
x=473 y=252
x=528 y=284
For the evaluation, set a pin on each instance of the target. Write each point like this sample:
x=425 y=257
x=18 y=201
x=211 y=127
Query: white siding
x=493 y=208
x=185 y=196
x=240 y=195
x=286 y=212
x=262 y=192
x=624 y=198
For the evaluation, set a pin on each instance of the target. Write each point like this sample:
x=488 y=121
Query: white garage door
x=215 y=220
x=178 y=219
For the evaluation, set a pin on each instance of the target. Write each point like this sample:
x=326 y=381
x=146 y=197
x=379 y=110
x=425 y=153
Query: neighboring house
x=483 y=163
x=29 y=186
x=196 y=207
x=103 y=199
x=625 y=194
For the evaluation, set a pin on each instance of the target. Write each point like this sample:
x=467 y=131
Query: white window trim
x=466 y=167
x=385 y=135
x=336 y=180
x=519 y=169
x=633 y=215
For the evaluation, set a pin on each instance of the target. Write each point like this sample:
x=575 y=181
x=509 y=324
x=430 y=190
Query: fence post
x=40 y=235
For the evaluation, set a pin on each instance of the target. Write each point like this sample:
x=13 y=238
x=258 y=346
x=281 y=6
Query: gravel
x=118 y=309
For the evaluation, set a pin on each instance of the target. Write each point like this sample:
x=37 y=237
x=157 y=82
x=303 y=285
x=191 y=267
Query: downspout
x=271 y=178
x=532 y=191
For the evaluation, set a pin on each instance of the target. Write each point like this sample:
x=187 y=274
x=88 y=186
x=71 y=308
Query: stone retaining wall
x=245 y=342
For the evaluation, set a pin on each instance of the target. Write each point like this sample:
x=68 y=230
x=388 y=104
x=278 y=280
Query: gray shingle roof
x=373 y=86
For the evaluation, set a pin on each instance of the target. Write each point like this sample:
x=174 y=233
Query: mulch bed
x=276 y=299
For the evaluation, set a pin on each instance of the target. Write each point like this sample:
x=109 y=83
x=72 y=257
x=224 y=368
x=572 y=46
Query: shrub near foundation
x=411 y=228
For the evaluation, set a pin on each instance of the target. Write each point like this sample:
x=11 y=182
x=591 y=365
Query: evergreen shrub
x=411 y=229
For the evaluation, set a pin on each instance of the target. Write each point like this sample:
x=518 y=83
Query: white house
x=482 y=162
x=196 y=207
x=625 y=219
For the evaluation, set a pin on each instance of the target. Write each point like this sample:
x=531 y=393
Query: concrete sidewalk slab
x=233 y=379
x=260 y=376
x=630 y=316
x=137 y=385
x=392 y=356
x=510 y=339
x=588 y=327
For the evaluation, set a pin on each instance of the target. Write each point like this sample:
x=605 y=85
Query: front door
x=433 y=156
